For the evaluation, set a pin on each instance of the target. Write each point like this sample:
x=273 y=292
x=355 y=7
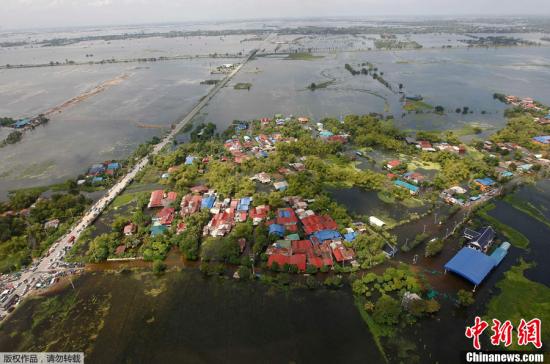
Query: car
x=71 y=239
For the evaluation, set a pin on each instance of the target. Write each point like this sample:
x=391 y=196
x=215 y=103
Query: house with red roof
x=315 y=223
x=341 y=253
x=161 y=199
x=393 y=163
x=190 y=204
x=130 y=229
x=165 y=216
x=259 y=213
x=220 y=224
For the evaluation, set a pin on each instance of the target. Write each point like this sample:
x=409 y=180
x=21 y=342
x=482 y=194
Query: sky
x=60 y=13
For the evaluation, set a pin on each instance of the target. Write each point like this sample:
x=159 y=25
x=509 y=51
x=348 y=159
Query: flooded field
x=108 y=125
x=183 y=317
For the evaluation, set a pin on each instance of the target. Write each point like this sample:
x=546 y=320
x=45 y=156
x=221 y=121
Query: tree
x=386 y=310
x=244 y=272
x=465 y=298
x=434 y=247
x=439 y=109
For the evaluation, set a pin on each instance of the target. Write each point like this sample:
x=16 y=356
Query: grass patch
x=413 y=105
x=377 y=331
x=123 y=200
x=385 y=197
x=243 y=86
x=415 y=164
x=527 y=208
x=520 y=298
x=515 y=238
x=412 y=202
x=302 y=57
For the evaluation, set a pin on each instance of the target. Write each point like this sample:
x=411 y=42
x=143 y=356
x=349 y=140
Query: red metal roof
x=298 y=260
x=316 y=223
x=279 y=258
x=156 y=198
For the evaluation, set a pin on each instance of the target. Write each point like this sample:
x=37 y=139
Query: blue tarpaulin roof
x=544 y=139
x=498 y=255
x=158 y=229
x=21 y=123
x=277 y=229
x=189 y=160
x=208 y=202
x=485 y=181
x=471 y=264
x=113 y=165
x=327 y=235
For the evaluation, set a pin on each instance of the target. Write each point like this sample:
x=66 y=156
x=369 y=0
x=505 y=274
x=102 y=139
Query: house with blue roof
x=484 y=183
x=208 y=201
x=506 y=174
x=324 y=235
x=244 y=204
x=412 y=188
x=480 y=240
x=113 y=166
x=19 y=124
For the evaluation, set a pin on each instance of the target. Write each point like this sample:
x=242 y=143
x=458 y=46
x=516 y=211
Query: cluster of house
x=28 y=123
x=322 y=244
x=258 y=146
x=330 y=136
x=410 y=181
x=525 y=103
x=277 y=179
x=165 y=216
x=98 y=172
x=427 y=146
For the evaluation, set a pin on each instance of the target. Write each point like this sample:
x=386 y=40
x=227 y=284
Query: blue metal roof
x=471 y=265
x=113 y=165
x=208 y=202
x=406 y=185
x=277 y=229
x=244 y=204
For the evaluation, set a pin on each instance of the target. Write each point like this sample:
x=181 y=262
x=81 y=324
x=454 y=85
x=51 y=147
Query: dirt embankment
x=84 y=96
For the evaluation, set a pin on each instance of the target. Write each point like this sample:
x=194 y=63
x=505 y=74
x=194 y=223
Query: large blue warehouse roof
x=471 y=264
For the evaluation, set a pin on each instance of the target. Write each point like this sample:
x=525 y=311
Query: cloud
x=41 y=13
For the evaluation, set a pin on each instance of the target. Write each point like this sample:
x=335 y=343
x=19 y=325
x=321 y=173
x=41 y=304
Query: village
x=253 y=197
x=300 y=237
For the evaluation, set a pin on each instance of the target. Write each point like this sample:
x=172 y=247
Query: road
x=25 y=283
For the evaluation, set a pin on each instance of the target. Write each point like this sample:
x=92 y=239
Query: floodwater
x=183 y=317
x=366 y=202
x=452 y=78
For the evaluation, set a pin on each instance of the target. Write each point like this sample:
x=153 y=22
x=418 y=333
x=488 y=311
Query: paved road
x=28 y=278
